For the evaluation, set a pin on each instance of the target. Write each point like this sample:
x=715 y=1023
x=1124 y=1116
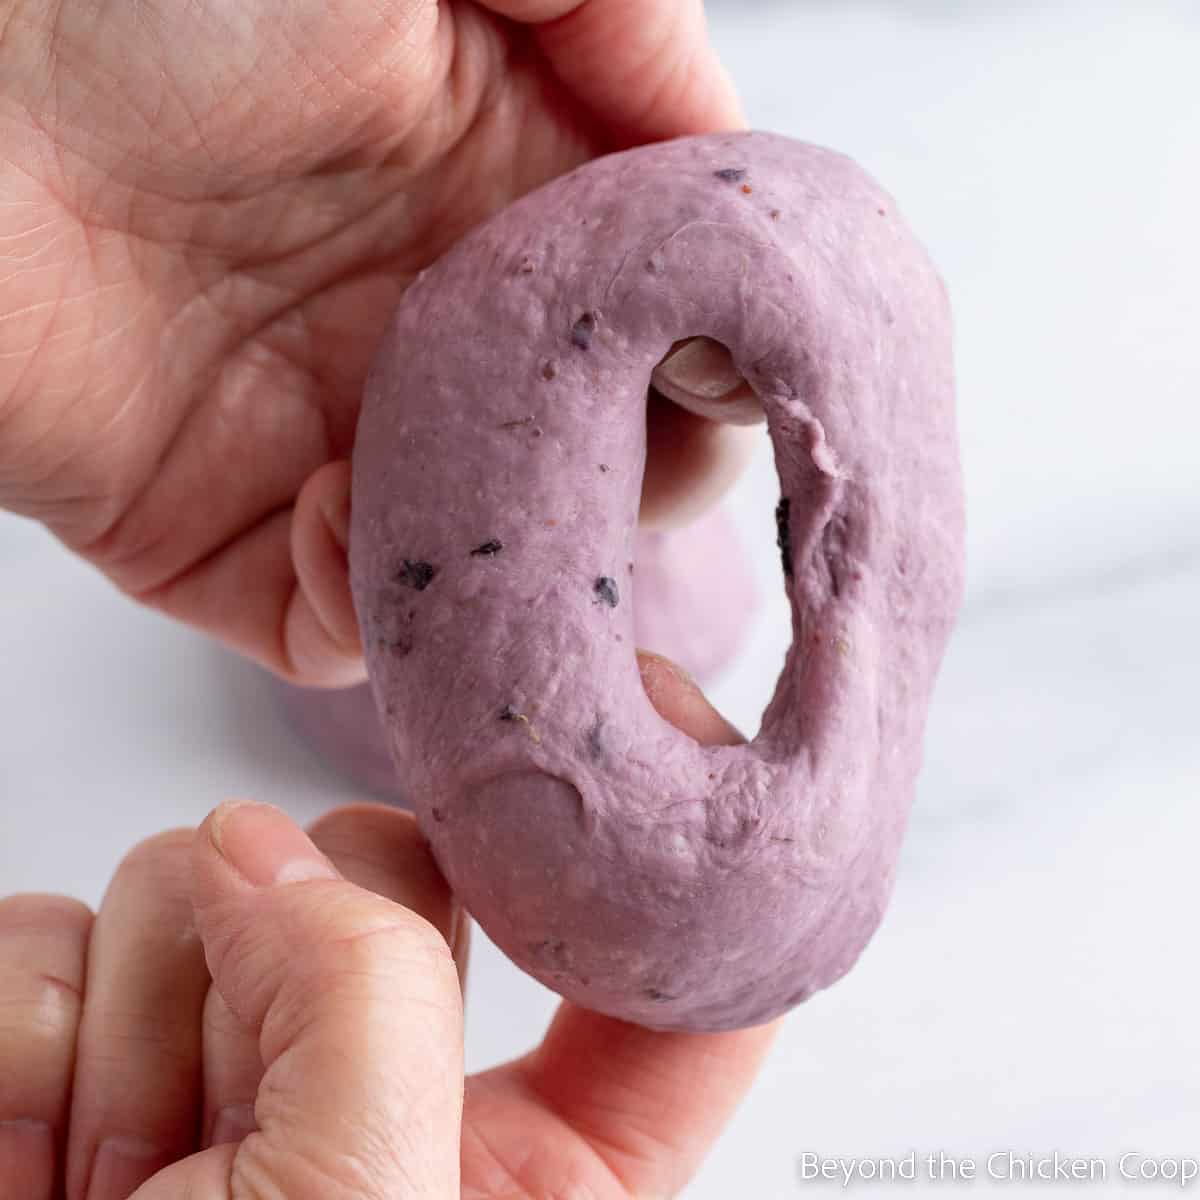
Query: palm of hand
x=214 y=209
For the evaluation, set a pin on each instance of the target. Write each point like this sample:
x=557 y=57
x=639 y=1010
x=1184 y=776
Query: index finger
x=645 y=67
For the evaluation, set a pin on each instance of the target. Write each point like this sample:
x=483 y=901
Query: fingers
x=256 y=620
x=137 y=1071
x=232 y=1068
x=691 y=463
x=43 y=951
x=644 y=67
x=381 y=850
x=357 y=1007
x=297 y=617
x=679 y=700
x=321 y=629
x=651 y=1104
x=699 y=375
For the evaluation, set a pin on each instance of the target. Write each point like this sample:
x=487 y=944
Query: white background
x=1035 y=984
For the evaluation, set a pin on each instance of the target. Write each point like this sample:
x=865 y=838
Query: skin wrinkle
x=70 y=995
x=256 y=1171
x=509 y=1186
x=294 y=1030
x=592 y=1133
x=108 y=548
x=672 y=81
x=113 y=535
x=514 y=1167
x=38 y=348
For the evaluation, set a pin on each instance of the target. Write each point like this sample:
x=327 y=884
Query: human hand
x=323 y=1055
x=207 y=213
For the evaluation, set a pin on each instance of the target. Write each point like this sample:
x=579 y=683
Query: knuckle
x=401 y=952
x=43 y=945
x=36 y=1008
x=410 y=935
x=404 y=939
x=266 y=1169
x=40 y=1010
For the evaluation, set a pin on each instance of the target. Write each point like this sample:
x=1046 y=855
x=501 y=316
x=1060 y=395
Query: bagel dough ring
x=618 y=861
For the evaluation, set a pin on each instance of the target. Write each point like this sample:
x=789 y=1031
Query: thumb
x=357 y=1008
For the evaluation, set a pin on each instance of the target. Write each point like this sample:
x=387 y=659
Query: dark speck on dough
x=508 y=713
x=606 y=591
x=833 y=551
x=783 y=538
x=556 y=950
x=775 y=214
x=398 y=647
x=549 y=371
x=657 y=995
x=437 y=815
x=595 y=738
x=604 y=468
x=516 y=424
x=731 y=174
x=583 y=330
x=526 y=267
x=416 y=574
x=489 y=549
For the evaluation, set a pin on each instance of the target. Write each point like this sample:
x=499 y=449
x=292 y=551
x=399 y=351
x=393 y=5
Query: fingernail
x=233 y=1123
x=26 y=1159
x=122 y=1165
x=266 y=847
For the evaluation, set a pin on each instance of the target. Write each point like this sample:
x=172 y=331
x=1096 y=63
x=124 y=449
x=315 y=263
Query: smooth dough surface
x=621 y=863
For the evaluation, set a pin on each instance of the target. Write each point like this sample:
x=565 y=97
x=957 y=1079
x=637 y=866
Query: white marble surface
x=1035 y=984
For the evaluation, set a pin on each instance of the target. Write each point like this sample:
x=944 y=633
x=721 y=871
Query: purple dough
x=687 y=615
x=611 y=856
